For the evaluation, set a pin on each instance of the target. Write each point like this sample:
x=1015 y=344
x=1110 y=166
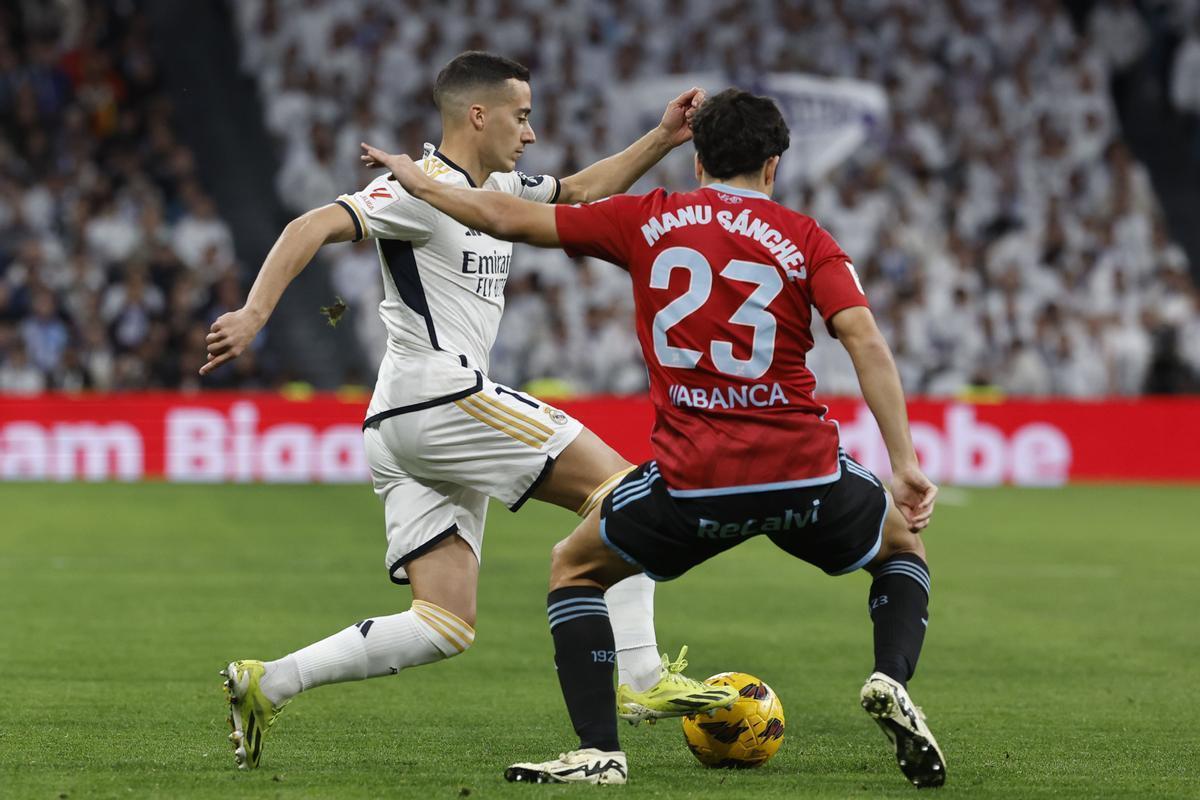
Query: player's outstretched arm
x=495 y=213
x=232 y=332
x=615 y=174
x=877 y=375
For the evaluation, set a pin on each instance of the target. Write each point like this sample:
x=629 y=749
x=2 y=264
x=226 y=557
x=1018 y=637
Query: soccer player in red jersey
x=724 y=282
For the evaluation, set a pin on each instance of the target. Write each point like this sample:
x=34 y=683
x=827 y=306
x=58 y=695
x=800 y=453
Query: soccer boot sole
x=919 y=757
x=245 y=743
x=702 y=703
x=519 y=774
x=603 y=769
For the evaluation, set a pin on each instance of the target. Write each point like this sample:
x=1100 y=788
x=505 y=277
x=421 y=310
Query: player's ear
x=770 y=166
x=477 y=116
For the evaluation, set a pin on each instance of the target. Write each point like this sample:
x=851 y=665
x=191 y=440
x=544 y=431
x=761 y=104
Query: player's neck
x=465 y=158
x=740 y=182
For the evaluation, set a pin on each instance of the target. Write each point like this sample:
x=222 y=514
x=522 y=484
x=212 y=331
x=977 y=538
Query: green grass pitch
x=1062 y=656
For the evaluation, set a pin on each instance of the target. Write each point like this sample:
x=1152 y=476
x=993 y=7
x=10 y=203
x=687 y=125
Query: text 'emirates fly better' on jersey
x=724 y=281
x=443 y=285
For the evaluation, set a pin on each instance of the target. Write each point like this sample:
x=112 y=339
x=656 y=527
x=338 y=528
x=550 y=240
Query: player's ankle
x=281 y=680
x=891 y=671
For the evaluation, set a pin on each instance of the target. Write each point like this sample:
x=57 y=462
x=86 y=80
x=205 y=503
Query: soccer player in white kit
x=440 y=436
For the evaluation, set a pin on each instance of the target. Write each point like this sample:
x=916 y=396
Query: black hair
x=474 y=69
x=735 y=132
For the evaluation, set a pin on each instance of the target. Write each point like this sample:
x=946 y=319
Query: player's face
x=509 y=131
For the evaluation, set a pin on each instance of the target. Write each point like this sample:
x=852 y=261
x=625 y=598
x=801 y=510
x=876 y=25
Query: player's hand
x=403 y=168
x=229 y=336
x=914 y=495
x=677 y=121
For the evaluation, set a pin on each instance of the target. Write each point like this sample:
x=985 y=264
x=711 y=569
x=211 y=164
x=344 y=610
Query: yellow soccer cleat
x=675 y=695
x=251 y=714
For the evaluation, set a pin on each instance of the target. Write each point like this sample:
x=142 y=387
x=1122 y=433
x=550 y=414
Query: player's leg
x=899 y=598
x=512 y=447
x=634 y=530
x=535 y=450
x=583 y=475
x=505 y=444
x=642 y=523
x=433 y=533
x=582 y=568
x=899 y=607
x=447 y=577
x=855 y=526
x=631 y=610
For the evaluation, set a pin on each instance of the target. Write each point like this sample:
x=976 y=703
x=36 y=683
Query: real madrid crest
x=556 y=416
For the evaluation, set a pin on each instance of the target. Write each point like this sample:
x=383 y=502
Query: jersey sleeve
x=534 y=188
x=598 y=229
x=383 y=210
x=832 y=280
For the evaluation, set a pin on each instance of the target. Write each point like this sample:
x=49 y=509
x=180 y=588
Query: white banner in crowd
x=829 y=118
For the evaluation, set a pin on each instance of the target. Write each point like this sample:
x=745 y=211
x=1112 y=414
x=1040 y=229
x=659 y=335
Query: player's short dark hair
x=735 y=132
x=475 y=69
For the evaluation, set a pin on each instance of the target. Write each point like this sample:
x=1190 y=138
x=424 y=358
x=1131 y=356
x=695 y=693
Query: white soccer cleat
x=578 y=766
x=917 y=752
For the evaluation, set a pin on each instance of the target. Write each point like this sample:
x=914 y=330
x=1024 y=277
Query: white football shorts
x=435 y=468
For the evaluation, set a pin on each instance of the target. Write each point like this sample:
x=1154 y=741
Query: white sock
x=368 y=649
x=281 y=681
x=640 y=667
x=631 y=611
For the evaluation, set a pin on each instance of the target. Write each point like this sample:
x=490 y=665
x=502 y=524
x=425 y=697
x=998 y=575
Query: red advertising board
x=267 y=437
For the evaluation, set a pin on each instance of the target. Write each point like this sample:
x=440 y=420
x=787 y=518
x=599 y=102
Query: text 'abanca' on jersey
x=758 y=395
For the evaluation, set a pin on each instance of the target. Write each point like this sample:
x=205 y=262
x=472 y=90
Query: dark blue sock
x=584 y=654
x=899 y=603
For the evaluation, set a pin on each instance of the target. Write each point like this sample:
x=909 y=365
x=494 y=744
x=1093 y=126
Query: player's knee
x=445 y=630
x=459 y=606
x=468 y=618
x=569 y=568
x=464 y=612
x=563 y=565
x=898 y=540
x=912 y=545
x=909 y=544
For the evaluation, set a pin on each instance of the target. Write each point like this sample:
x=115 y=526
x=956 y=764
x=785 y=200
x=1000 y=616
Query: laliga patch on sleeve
x=377 y=197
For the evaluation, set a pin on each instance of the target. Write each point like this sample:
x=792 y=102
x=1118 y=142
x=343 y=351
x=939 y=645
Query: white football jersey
x=443 y=285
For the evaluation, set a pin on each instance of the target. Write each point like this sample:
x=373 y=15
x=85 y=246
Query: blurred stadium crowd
x=1006 y=236
x=113 y=260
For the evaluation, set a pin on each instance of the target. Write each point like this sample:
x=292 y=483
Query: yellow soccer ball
x=745 y=735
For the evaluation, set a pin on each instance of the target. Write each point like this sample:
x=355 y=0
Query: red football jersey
x=723 y=282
